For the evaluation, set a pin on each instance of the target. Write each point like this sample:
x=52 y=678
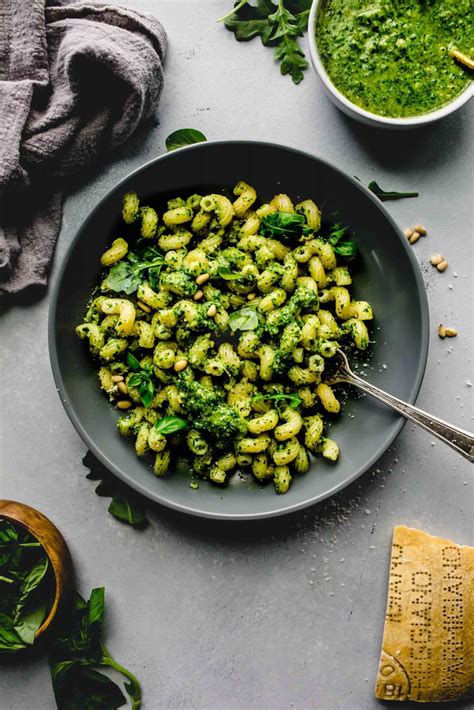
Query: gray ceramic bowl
x=387 y=275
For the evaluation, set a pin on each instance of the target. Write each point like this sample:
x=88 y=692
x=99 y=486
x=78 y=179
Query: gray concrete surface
x=286 y=614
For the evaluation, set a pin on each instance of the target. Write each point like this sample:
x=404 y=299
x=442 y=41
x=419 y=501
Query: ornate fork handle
x=458 y=439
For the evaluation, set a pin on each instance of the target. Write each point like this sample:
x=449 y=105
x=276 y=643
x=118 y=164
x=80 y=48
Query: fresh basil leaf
x=135 y=380
x=96 y=606
x=123 y=278
x=29 y=623
x=227 y=274
x=245 y=319
x=9 y=638
x=184 y=137
x=293 y=400
x=147 y=390
x=284 y=225
x=30 y=582
x=336 y=233
x=170 y=425
x=385 y=195
x=129 y=510
x=77 y=686
x=133 y=363
x=346 y=248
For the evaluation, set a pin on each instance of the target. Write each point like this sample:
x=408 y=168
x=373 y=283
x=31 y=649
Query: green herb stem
x=107 y=660
x=233 y=11
x=6 y=579
x=30 y=544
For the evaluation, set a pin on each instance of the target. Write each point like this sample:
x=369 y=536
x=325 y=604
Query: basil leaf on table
x=284 y=225
x=245 y=319
x=183 y=137
x=77 y=654
x=170 y=425
x=385 y=195
x=126 y=505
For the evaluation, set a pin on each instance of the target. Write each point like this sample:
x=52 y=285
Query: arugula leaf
x=228 y=275
x=183 y=137
x=293 y=400
x=284 y=225
x=245 y=319
x=277 y=25
x=126 y=276
x=384 y=195
x=170 y=425
x=76 y=655
x=126 y=505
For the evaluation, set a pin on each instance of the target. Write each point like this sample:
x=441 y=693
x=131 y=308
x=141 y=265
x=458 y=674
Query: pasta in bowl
x=212 y=329
x=394 y=360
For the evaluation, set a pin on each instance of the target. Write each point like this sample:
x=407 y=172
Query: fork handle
x=458 y=439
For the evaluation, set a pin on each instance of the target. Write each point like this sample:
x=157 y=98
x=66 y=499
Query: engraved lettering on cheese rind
x=393 y=682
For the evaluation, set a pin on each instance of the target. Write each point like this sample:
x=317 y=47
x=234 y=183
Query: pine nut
x=202 y=278
x=124 y=404
x=437 y=259
x=408 y=232
x=420 y=229
x=442 y=266
x=212 y=310
x=414 y=238
x=122 y=387
x=441 y=331
x=251 y=296
x=144 y=307
x=117 y=378
x=451 y=332
x=180 y=365
x=198 y=295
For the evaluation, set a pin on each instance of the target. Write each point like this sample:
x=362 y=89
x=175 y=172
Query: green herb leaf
x=79 y=687
x=126 y=505
x=245 y=319
x=389 y=195
x=30 y=583
x=277 y=25
x=227 y=274
x=147 y=390
x=284 y=225
x=127 y=275
x=29 y=623
x=293 y=400
x=184 y=137
x=9 y=638
x=170 y=425
x=347 y=249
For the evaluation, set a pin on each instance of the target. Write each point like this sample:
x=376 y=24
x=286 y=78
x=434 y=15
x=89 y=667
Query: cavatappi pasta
x=212 y=327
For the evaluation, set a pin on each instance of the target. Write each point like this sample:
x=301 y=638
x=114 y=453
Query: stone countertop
x=286 y=613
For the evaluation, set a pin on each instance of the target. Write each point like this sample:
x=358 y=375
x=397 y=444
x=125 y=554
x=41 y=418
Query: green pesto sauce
x=391 y=57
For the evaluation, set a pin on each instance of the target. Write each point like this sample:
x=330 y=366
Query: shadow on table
x=426 y=148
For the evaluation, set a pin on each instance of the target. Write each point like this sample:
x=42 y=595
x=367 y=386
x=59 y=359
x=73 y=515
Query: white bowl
x=373 y=119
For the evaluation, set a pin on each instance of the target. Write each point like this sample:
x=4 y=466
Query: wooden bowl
x=41 y=528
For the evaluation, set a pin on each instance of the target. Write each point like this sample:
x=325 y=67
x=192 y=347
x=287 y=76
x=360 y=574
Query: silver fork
x=458 y=439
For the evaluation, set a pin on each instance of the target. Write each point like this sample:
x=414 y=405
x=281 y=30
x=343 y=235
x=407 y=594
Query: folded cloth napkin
x=76 y=80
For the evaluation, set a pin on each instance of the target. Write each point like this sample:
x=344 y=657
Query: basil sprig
x=128 y=274
x=170 y=425
x=245 y=319
x=284 y=225
x=78 y=652
x=141 y=378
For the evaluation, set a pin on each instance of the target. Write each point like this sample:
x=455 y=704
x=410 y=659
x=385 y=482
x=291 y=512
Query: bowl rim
x=142 y=488
x=407 y=121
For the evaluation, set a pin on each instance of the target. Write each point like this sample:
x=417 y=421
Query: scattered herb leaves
x=77 y=654
x=126 y=505
x=126 y=276
x=384 y=195
x=245 y=319
x=284 y=225
x=26 y=587
x=183 y=137
x=278 y=25
x=347 y=248
x=141 y=378
x=170 y=425
x=293 y=400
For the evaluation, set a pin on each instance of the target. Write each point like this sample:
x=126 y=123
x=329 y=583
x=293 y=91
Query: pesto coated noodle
x=213 y=327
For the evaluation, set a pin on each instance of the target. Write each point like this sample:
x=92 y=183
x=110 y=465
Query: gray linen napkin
x=76 y=80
